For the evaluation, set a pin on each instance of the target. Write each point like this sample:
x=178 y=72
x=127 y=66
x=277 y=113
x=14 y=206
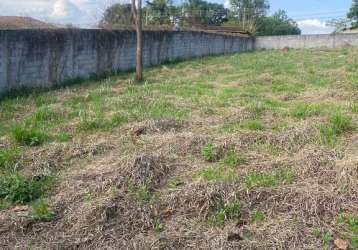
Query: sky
x=311 y=15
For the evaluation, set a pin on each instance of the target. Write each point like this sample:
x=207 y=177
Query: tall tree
x=158 y=12
x=137 y=15
x=277 y=24
x=117 y=16
x=353 y=13
x=248 y=12
x=202 y=13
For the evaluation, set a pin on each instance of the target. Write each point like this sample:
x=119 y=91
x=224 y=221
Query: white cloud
x=78 y=12
x=314 y=26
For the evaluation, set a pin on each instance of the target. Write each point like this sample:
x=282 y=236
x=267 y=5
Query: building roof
x=19 y=22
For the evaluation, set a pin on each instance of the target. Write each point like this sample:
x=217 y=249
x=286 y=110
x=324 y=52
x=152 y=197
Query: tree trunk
x=137 y=14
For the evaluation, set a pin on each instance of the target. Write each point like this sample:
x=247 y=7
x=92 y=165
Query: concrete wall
x=306 y=41
x=34 y=58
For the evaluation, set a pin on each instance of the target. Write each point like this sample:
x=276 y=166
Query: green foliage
x=278 y=24
x=339 y=123
x=226 y=212
x=351 y=222
x=218 y=174
x=304 y=110
x=158 y=226
x=327 y=239
x=8 y=157
x=41 y=211
x=27 y=135
x=118 y=16
x=252 y=125
x=353 y=13
x=269 y=179
x=257 y=216
x=141 y=193
x=208 y=152
x=17 y=188
x=233 y=158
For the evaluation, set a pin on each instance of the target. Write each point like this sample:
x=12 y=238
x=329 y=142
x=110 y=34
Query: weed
x=142 y=193
x=269 y=179
x=218 y=174
x=158 y=226
x=210 y=153
x=233 y=158
x=339 y=123
x=304 y=110
x=252 y=125
x=41 y=211
x=316 y=233
x=28 y=136
x=228 y=211
x=327 y=239
x=8 y=157
x=257 y=216
x=17 y=188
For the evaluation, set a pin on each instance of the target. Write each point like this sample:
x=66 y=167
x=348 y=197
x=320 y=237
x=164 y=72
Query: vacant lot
x=256 y=150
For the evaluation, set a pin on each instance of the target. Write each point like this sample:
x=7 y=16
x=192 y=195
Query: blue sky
x=311 y=15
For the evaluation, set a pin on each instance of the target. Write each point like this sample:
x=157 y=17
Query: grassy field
x=254 y=150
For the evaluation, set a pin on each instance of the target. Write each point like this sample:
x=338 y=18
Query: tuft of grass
x=158 y=226
x=28 y=136
x=141 y=193
x=257 y=216
x=327 y=239
x=268 y=179
x=8 y=157
x=233 y=158
x=351 y=222
x=218 y=174
x=338 y=124
x=41 y=211
x=16 y=188
x=228 y=211
x=210 y=153
x=252 y=125
x=304 y=110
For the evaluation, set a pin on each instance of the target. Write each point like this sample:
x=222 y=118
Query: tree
x=353 y=13
x=159 y=12
x=248 y=12
x=339 y=24
x=277 y=24
x=137 y=15
x=202 y=13
x=117 y=16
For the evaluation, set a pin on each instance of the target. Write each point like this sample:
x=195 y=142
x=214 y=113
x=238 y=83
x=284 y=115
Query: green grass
x=233 y=158
x=210 y=153
x=228 y=211
x=218 y=174
x=257 y=216
x=338 y=124
x=28 y=136
x=252 y=125
x=41 y=211
x=268 y=179
x=9 y=157
x=16 y=188
x=305 y=110
x=351 y=222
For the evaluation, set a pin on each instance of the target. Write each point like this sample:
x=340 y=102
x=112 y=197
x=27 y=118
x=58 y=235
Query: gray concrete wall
x=42 y=58
x=306 y=41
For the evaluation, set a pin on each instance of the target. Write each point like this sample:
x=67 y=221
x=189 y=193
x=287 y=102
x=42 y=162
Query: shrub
x=17 y=188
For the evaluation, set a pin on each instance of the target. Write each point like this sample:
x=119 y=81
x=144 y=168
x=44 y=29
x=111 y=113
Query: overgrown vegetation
x=253 y=150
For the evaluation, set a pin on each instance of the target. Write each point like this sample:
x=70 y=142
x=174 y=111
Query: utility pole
x=137 y=15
